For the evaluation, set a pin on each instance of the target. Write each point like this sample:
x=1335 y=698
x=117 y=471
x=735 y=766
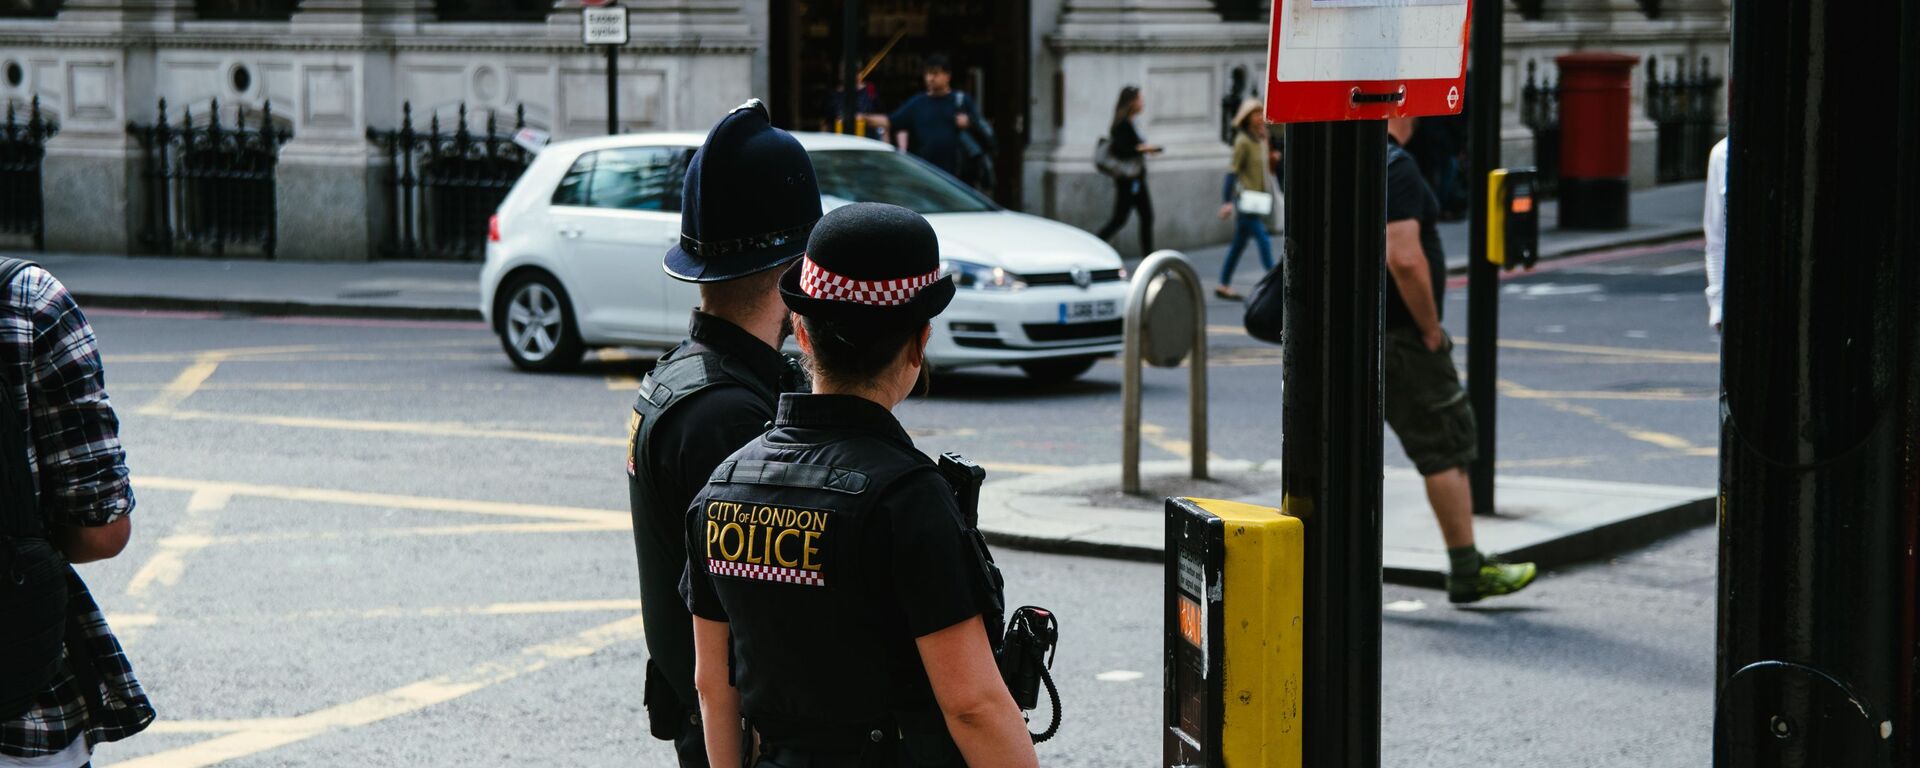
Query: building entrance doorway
x=986 y=41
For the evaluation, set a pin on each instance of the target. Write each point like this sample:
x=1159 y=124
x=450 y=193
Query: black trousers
x=1131 y=195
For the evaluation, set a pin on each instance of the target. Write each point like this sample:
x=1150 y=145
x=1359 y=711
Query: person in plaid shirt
x=52 y=365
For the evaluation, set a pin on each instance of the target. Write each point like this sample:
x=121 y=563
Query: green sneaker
x=1495 y=579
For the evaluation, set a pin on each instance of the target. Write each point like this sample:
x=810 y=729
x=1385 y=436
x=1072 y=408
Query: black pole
x=1330 y=424
x=1820 y=484
x=850 y=58
x=613 y=90
x=1483 y=279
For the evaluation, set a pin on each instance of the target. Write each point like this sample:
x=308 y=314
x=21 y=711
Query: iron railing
x=1540 y=112
x=1684 y=105
x=445 y=185
x=211 y=185
x=23 y=151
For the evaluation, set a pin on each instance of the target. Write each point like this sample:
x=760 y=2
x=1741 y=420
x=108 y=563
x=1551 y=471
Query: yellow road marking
x=551 y=607
x=1657 y=355
x=422 y=532
x=1569 y=461
x=1659 y=395
x=389 y=501
x=1670 y=442
x=259 y=736
x=1156 y=436
x=183 y=386
x=1019 y=468
x=620 y=382
x=432 y=429
x=167 y=564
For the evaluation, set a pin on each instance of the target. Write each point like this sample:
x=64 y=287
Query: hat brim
x=929 y=302
x=688 y=268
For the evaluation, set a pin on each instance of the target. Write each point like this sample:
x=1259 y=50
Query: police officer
x=750 y=200
x=838 y=602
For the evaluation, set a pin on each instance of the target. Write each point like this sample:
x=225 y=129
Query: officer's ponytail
x=854 y=354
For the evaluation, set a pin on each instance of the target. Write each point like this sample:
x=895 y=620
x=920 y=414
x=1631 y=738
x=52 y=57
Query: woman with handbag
x=1247 y=197
x=1127 y=151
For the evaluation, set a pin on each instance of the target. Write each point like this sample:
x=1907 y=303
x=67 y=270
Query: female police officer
x=837 y=601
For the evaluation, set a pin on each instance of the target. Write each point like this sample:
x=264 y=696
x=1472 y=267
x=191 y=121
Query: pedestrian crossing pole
x=1820 y=416
x=1483 y=276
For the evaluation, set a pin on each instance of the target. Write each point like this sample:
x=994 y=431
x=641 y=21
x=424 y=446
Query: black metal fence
x=445 y=185
x=212 y=185
x=1684 y=104
x=23 y=150
x=1540 y=112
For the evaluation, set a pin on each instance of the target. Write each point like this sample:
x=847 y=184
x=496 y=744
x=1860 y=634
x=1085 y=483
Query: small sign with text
x=603 y=25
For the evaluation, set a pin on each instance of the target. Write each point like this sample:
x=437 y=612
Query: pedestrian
x=65 y=683
x=869 y=120
x=938 y=125
x=1424 y=402
x=749 y=202
x=840 y=607
x=1246 y=196
x=1127 y=146
x=1713 y=223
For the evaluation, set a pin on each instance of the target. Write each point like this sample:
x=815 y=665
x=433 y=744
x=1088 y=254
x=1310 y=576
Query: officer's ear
x=917 y=353
x=800 y=334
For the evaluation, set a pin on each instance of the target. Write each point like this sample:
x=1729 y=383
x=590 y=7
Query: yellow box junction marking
x=193 y=533
x=251 y=737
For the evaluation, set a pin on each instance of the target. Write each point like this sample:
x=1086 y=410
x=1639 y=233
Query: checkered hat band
x=819 y=283
x=771 y=573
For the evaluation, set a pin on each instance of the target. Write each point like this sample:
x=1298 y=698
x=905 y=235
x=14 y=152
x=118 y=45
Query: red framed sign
x=1366 y=59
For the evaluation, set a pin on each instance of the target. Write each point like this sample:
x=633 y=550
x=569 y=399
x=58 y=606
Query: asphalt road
x=374 y=543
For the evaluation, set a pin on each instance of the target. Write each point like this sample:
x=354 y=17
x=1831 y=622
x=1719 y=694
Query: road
x=374 y=543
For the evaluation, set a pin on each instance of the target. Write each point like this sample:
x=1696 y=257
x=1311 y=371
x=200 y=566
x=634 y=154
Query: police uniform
x=749 y=201
x=830 y=543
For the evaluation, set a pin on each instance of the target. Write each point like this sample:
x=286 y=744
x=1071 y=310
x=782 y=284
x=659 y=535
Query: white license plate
x=1089 y=311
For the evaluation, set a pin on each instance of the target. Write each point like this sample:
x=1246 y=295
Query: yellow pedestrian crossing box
x=1233 y=635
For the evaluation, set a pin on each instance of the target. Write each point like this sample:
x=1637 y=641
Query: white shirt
x=75 y=755
x=1713 y=221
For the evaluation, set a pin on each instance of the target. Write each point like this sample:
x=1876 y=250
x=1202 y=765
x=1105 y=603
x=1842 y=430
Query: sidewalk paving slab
x=1553 y=522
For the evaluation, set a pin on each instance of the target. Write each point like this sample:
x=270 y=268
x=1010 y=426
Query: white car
x=575 y=251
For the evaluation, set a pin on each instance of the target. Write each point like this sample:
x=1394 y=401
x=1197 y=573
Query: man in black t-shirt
x=1425 y=405
x=930 y=124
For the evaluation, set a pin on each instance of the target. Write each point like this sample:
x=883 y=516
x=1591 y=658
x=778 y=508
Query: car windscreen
x=875 y=176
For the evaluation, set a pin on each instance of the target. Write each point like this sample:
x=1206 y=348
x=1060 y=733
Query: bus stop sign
x=1366 y=59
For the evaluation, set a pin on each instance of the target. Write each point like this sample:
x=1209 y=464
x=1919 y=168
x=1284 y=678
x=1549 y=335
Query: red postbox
x=1596 y=98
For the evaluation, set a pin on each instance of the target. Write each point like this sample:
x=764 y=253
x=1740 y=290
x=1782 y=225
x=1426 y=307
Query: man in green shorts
x=1425 y=405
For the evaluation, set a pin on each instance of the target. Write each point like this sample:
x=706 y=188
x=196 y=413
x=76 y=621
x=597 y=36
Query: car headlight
x=980 y=277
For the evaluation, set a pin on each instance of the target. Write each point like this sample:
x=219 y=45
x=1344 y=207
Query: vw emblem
x=1081 y=277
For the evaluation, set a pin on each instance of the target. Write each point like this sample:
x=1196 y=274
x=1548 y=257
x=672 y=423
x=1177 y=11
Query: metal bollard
x=1163 y=338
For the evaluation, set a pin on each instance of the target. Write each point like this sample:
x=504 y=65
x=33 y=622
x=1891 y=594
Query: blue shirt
x=931 y=134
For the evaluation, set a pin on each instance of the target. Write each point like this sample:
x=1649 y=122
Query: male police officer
x=840 y=603
x=750 y=201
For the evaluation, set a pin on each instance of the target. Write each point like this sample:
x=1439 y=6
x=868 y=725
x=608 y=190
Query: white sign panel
x=603 y=26
x=1369 y=40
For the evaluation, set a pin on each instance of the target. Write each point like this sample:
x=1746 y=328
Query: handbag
x=1252 y=203
x=1116 y=167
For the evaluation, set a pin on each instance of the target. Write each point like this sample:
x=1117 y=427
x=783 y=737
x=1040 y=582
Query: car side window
x=639 y=179
x=573 y=187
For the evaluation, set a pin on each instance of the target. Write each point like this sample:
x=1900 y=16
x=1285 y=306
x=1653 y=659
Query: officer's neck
x=886 y=390
x=764 y=323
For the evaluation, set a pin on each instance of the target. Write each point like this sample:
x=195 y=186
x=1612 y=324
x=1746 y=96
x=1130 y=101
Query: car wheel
x=536 y=325
x=1057 y=371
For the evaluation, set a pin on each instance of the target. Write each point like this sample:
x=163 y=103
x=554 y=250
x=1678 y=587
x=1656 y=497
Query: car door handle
x=569 y=233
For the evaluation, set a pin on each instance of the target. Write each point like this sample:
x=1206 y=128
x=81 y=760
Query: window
x=492 y=10
x=29 y=9
x=245 y=10
x=873 y=176
x=638 y=179
x=573 y=188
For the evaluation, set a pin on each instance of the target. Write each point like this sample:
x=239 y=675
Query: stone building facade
x=1048 y=71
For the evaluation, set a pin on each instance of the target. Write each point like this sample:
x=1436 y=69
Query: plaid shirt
x=52 y=363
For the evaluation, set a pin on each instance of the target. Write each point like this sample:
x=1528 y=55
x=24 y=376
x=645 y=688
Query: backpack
x=33 y=573
x=1266 y=316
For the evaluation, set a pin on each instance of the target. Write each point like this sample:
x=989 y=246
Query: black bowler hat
x=869 y=262
x=749 y=202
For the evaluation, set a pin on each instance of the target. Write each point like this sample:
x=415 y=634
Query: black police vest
x=658 y=535
x=819 y=665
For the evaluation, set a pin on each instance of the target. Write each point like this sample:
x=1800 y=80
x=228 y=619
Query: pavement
x=450 y=290
x=1554 y=522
